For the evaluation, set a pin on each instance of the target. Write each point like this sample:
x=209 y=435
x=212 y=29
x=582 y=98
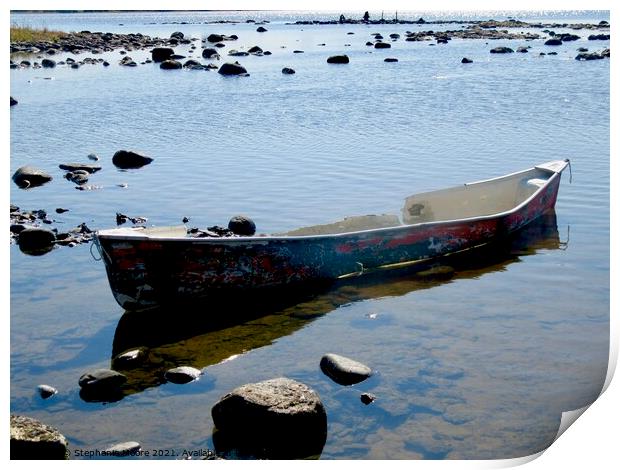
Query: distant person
x=366 y=17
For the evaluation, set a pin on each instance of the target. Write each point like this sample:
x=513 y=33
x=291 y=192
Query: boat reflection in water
x=213 y=331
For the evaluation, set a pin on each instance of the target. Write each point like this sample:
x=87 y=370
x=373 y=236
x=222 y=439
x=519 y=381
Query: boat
x=158 y=266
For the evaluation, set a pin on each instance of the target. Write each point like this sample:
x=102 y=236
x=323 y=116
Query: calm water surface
x=476 y=363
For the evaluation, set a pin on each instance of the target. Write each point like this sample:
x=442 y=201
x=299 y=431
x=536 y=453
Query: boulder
x=255 y=50
x=182 y=375
x=126 y=159
x=553 y=42
x=170 y=65
x=234 y=68
x=338 y=59
x=277 y=418
x=382 y=45
x=102 y=379
x=177 y=35
x=36 y=241
x=192 y=63
x=589 y=56
x=501 y=50
x=48 y=63
x=390 y=59
x=241 y=225
x=288 y=71
x=465 y=60
x=31 y=439
x=260 y=29
x=79 y=167
x=343 y=370
x=13 y=101
x=159 y=54
x=209 y=53
x=599 y=37
x=28 y=177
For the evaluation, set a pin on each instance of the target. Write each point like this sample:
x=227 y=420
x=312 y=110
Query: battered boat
x=154 y=267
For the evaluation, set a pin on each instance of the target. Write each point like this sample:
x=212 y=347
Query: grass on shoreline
x=26 y=34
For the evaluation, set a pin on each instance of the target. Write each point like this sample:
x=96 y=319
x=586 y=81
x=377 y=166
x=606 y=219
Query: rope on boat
x=96 y=245
x=564 y=245
x=570 y=171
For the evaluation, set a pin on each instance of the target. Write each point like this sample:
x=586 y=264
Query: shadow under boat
x=213 y=331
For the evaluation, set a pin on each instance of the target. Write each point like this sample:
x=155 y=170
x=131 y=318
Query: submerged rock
x=102 y=379
x=79 y=167
x=182 y=375
x=28 y=177
x=31 y=439
x=338 y=59
x=46 y=391
x=260 y=29
x=127 y=159
x=367 y=398
x=343 y=370
x=242 y=225
x=277 y=418
x=390 y=59
x=465 y=60
x=288 y=71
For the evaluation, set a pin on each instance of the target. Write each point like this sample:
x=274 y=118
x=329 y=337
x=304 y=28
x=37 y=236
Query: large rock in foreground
x=36 y=241
x=277 y=418
x=126 y=159
x=31 y=439
x=343 y=370
x=29 y=177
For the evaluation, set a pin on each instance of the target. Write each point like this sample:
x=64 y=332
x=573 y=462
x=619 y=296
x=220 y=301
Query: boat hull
x=147 y=273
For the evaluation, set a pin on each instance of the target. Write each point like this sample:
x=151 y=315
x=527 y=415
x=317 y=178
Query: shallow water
x=476 y=363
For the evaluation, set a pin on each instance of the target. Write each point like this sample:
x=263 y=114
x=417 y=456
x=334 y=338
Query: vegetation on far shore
x=26 y=34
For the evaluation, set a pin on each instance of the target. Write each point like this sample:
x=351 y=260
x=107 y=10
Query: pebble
x=46 y=391
x=367 y=398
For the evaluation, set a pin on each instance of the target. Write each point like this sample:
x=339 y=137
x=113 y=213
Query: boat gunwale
x=402 y=227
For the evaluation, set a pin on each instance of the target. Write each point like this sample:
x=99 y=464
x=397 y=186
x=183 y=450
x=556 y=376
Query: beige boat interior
x=470 y=200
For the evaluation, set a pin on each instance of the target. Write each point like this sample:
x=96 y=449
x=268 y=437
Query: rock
x=209 y=53
x=28 y=177
x=236 y=53
x=92 y=156
x=79 y=167
x=232 y=69
x=31 y=439
x=126 y=61
x=553 y=42
x=582 y=49
x=589 y=56
x=46 y=391
x=170 y=65
x=382 y=45
x=501 y=50
x=220 y=45
x=277 y=418
x=442 y=41
x=182 y=375
x=367 y=398
x=368 y=43
x=241 y=225
x=124 y=449
x=260 y=29
x=60 y=210
x=177 y=57
x=177 y=35
x=522 y=49
x=465 y=60
x=159 y=54
x=101 y=385
x=127 y=159
x=255 y=50
x=215 y=38
x=191 y=63
x=343 y=370
x=390 y=59
x=48 y=63
x=77 y=66
x=338 y=59
x=77 y=178
x=128 y=359
x=599 y=37
x=606 y=53
x=16 y=229
x=288 y=71
x=13 y=101
x=297 y=51
x=106 y=63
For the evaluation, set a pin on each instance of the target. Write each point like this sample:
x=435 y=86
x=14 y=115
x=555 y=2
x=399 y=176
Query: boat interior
x=477 y=199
